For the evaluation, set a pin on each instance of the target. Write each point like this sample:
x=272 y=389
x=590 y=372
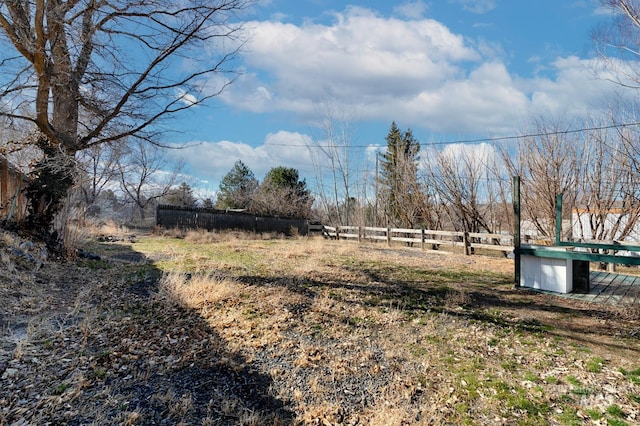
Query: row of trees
x=92 y=74
x=281 y=193
x=118 y=177
x=468 y=187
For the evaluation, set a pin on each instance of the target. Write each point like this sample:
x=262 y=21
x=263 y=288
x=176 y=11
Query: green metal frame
x=602 y=246
x=579 y=255
x=542 y=251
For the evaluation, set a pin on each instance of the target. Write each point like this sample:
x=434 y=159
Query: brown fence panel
x=209 y=219
x=13 y=206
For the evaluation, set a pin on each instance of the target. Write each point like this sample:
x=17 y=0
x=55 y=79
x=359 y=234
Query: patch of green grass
x=552 y=380
x=633 y=376
x=569 y=417
x=251 y=313
x=533 y=326
x=462 y=410
x=582 y=391
x=516 y=398
x=566 y=398
x=531 y=377
x=615 y=411
x=356 y=321
x=594 y=365
x=470 y=385
x=418 y=351
x=635 y=398
x=99 y=373
x=509 y=365
x=617 y=422
x=578 y=388
x=573 y=381
x=594 y=414
x=450 y=360
x=60 y=388
x=422 y=379
x=317 y=329
x=433 y=339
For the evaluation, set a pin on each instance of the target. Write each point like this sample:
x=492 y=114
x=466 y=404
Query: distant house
x=613 y=222
x=13 y=206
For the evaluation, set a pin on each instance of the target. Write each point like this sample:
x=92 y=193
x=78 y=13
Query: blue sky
x=448 y=69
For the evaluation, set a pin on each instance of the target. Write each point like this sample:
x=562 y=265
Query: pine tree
x=237 y=188
x=282 y=193
x=399 y=177
x=181 y=196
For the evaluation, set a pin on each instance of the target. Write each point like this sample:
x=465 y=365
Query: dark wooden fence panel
x=13 y=206
x=200 y=218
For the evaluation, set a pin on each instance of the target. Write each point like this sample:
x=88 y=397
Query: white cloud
x=412 y=9
x=211 y=161
x=360 y=56
x=479 y=155
x=476 y=6
x=186 y=98
x=579 y=87
x=387 y=68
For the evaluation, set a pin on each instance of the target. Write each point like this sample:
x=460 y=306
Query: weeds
x=336 y=333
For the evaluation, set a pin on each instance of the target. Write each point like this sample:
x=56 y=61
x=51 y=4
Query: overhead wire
x=477 y=140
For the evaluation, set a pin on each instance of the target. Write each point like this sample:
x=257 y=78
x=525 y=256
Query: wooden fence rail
x=469 y=241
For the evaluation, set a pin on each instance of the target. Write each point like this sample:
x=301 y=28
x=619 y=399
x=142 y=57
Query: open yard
x=211 y=329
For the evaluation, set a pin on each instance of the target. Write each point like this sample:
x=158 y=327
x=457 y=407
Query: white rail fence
x=423 y=238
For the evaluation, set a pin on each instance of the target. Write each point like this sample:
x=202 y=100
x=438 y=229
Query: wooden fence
x=423 y=238
x=210 y=219
x=13 y=206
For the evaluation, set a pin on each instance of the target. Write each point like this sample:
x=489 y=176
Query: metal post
x=516 y=229
x=558 y=218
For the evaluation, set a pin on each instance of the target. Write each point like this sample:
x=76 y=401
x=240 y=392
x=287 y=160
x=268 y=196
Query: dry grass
x=367 y=335
x=257 y=331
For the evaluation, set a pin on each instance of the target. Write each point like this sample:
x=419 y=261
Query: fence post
x=517 y=230
x=359 y=234
x=337 y=233
x=467 y=243
x=422 y=238
x=389 y=237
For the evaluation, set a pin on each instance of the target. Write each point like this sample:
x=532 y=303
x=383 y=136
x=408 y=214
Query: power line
x=478 y=140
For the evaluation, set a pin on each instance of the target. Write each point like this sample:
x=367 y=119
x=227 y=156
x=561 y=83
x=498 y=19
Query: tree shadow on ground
x=129 y=352
x=501 y=304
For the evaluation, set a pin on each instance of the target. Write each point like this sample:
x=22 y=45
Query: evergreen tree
x=399 y=178
x=237 y=188
x=282 y=193
x=181 y=196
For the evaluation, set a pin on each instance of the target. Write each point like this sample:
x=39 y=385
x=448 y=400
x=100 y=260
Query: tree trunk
x=51 y=179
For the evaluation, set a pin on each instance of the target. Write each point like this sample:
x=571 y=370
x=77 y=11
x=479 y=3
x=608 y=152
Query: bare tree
x=549 y=162
x=609 y=199
x=143 y=175
x=97 y=71
x=333 y=170
x=619 y=40
x=99 y=170
x=462 y=179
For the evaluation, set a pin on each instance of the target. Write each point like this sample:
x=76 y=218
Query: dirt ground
x=100 y=340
